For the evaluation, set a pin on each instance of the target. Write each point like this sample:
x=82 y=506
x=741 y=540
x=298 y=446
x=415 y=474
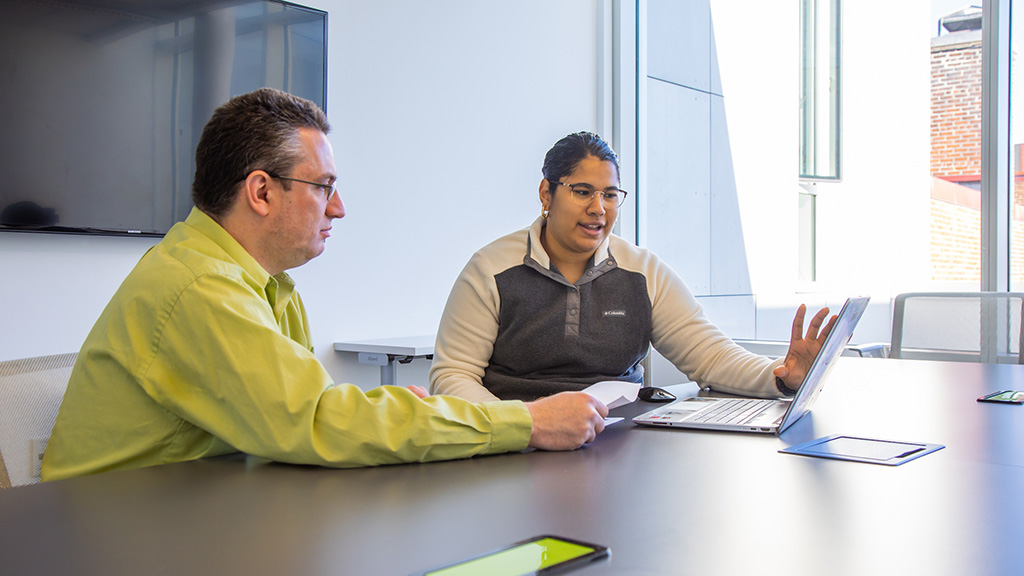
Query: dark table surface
x=665 y=501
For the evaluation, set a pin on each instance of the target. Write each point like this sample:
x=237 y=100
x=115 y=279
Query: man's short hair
x=254 y=131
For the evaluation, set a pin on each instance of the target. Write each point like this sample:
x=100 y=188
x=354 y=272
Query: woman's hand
x=803 y=348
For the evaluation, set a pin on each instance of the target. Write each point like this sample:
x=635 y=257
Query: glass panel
x=905 y=216
x=1017 y=154
x=807 y=245
x=820 y=51
x=956 y=145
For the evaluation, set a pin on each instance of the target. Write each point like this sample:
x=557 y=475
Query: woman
x=584 y=306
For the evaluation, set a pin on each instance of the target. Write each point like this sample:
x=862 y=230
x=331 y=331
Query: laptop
x=761 y=415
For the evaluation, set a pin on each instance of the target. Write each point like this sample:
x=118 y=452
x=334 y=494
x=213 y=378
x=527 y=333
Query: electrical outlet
x=36 y=447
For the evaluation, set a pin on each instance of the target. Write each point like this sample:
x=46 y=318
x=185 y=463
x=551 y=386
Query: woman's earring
x=544 y=213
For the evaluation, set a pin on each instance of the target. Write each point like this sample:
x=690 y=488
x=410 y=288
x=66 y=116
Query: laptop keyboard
x=736 y=411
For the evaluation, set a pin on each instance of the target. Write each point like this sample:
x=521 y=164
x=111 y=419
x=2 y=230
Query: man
x=205 y=348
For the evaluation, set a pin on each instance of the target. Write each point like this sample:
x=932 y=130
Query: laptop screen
x=823 y=363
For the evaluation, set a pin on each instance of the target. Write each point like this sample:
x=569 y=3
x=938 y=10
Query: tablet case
x=859 y=449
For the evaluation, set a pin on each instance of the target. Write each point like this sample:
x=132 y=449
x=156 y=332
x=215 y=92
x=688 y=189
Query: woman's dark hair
x=254 y=131
x=567 y=153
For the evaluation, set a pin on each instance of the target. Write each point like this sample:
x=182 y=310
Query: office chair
x=958 y=326
x=779 y=348
x=31 y=390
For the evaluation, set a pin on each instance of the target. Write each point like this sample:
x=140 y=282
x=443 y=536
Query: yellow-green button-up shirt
x=201 y=353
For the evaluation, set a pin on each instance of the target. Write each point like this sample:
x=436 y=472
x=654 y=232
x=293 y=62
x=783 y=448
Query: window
x=821 y=55
x=1016 y=194
x=806 y=245
x=955 y=158
x=910 y=166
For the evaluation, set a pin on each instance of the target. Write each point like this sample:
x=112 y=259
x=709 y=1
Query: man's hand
x=419 y=391
x=566 y=420
x=803 y=348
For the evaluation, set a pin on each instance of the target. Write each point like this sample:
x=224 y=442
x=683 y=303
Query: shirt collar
x=537 y=252
x=278 y=288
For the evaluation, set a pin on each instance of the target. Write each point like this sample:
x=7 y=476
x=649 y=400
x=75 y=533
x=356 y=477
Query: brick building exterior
x=956 y=163
x=956 y=109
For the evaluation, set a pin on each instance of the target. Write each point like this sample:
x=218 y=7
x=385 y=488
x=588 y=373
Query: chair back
x=31 y=390
x=958 y=326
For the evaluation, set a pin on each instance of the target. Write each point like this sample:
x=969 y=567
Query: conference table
x=666 y=501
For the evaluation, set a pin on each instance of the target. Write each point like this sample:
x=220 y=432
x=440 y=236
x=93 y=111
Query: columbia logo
x=614 y=312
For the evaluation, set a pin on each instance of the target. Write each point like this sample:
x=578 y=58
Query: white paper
x=614 y=393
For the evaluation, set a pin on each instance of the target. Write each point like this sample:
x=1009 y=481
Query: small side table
x=389 y=352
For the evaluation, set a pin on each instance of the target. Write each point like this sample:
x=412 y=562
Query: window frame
x=820 y=97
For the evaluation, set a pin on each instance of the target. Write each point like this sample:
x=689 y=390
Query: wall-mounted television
x=102 y=102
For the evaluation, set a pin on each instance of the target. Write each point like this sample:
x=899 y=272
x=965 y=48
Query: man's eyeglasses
x=327 y=189
x=583 y=194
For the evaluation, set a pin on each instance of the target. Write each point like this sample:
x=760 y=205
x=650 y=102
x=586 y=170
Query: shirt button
x=590 y=272
x=572 y=312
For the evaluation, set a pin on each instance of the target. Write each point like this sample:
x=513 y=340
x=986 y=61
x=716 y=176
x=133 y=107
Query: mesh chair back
x=31 y=390
x=958 y=326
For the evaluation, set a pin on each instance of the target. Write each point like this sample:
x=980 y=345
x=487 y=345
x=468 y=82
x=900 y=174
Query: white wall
x=441 y=112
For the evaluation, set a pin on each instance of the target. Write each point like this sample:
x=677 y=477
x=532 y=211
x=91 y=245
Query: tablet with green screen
x=538 y=555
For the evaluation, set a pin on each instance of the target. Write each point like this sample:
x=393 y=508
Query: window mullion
x=995 y=146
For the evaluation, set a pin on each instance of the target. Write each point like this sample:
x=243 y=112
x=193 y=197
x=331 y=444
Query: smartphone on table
x=544 y=554
x=1004 y=397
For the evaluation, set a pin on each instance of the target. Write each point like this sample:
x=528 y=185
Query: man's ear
x=257 y=192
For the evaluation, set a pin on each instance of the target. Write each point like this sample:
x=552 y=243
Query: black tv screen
x=102 y=102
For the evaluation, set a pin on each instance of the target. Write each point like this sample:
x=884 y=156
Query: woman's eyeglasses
x=583 y=194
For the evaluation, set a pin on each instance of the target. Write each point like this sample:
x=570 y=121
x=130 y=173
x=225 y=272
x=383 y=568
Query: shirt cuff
x=511 y=426
x=782 y=388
